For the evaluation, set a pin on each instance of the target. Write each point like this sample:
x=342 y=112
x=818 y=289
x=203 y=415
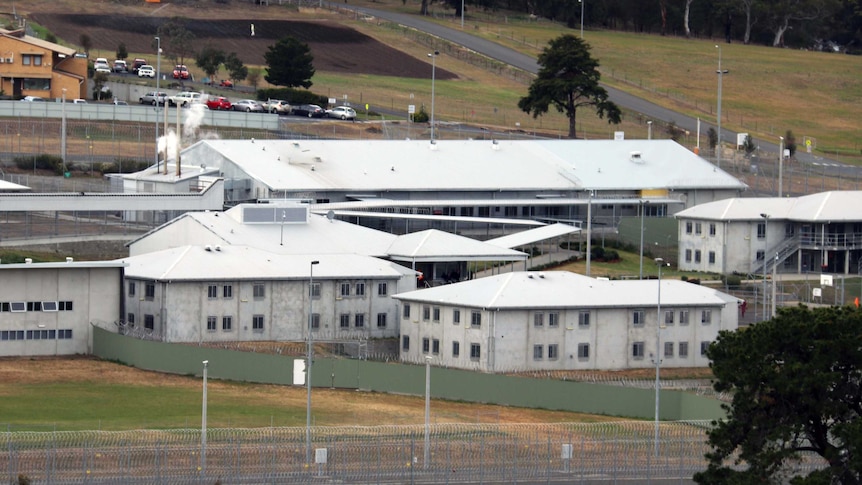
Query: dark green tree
x=289 y=63
x=712 y=137
x=796 y=383
x=790 y=142
x=568 y=79
x=748 y=145
x=209 y=59
x=235 y=68
x=122 y=52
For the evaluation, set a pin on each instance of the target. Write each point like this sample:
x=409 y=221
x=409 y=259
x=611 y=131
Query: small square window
x=683 y=349
x=638 y=350
x=227 y=291
x=382 y=289
x=344 y=320
x=257 y=323
x=584 y=319
x=212 y=291
x=475 y=351
x=638 y=318
x=345 y=289
x=360 y=289
x=583 y=351
x=212 y=323
x=227 y=324
x=259 y=291
x=706 y=317
x=668 y=349
x=381 y=320
x=538 y=352
x=668 y=317
x=538 y=319
x=553 y=352
x=315 y=290
x=683 y=317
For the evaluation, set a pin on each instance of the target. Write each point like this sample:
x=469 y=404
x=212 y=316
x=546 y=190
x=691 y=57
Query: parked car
x=33 y=99
x=137 y=63
x=101 y=65
x=120 y=66
x=181 y=71
x=154 y=98
x=277 y=106
x=147 y=71
x=218 y=102
x=184 y=99
x=310 y=110
x=79 y=101
x=120 y=102
x=226 y=83
x=342 y=113
x=248 y=105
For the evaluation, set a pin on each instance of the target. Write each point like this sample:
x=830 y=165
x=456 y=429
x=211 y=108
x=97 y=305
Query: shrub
x=421 y=116
x=292 y=96
x=732 y=280
x=40 y=162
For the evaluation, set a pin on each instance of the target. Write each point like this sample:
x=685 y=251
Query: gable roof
x=35 y=41
x=563 y=289
x=834 y=206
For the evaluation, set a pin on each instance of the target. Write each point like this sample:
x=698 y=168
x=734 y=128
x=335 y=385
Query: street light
x=721 y=74
x=780 y=165
x=641 y=274
x=582 y=18
x=433 y=57
x=158 y=75
x=427 y=456
x=308 y=362
x=659 y=262
x=765 y=250
x=589 y=229
x=204 y=424
x=462 y=14
x=62 y=134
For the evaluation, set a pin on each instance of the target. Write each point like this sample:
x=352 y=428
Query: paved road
x=625 y=100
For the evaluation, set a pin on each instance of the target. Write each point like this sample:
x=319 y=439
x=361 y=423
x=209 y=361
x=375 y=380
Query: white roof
x=64 y=265
x=208 y=263
x=530 y=236
x=836 y=206
x=464 y=165
x=12 y=187
x=563 y=289
x=434 y=245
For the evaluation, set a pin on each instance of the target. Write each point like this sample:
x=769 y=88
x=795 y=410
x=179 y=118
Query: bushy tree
x=122 y=51
x=796 y=382
x=712 y=137
x=209 y=59
x=235 y=68
x=178 y=39
x=86 y=43
x=568 y=79
x=748 y=145
x=289 y=63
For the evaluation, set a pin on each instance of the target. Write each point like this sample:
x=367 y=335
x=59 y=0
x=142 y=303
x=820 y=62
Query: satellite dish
x=330 y=215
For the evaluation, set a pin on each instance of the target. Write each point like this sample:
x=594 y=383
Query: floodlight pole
x=158 y=76
x=204 y=424
x=433 y=57
x=427 y=455
x=659 y=262
x=721 y=74
x=765 y=258
x=582 y=18
x=308 y=363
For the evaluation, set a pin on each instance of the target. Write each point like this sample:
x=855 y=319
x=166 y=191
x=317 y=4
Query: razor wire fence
x=461 y=453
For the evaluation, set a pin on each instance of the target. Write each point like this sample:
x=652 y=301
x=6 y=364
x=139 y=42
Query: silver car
x=248 y=105
x=342 y=113
x=154 y=98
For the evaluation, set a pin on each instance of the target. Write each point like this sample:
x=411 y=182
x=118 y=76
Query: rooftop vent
x=28 y=260
x=69 y=260
x=218 y=247
x=208 y=248
x=636 y=157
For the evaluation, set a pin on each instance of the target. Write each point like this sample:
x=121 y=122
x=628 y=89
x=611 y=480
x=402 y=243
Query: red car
x=226 y=84
x=181 y=72
x=218 y=102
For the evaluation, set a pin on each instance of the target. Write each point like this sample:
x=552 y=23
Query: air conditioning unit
x=8 y=60
x=2 y=60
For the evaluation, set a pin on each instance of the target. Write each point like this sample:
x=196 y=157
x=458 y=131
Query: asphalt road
x=622 y=99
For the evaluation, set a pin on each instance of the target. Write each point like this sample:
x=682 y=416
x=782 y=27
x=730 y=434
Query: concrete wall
x=449 y=384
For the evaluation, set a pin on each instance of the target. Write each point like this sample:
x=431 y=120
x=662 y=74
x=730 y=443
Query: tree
x=179 y=39
x=254 y=77
x=790 y=143
x=86 y=43
x=796 y=382
x=289 y=63
x=568 y=79
x=209 y=59
x=122 y=52
x=712 y=137
x=235 y=68
x=748 y=145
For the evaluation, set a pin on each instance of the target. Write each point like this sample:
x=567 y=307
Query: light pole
x=765 y=260
x=721 y=74
x=427 y=456
x=433 y=57
x=589 y=229
x=308 y=362
x=649 y=130
x=582 y=18
x=62 y=133
x=462 y=14
x=780 y=165
x=641 y=252
x=659 y=262
x=158 y=75
x=774 y=265
x=204 y=424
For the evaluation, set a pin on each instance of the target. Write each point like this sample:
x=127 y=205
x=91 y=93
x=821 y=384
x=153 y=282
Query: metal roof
x=531 y=236
x=835 y=206
x=563 y=289
x=64 y=265
x=434 y=245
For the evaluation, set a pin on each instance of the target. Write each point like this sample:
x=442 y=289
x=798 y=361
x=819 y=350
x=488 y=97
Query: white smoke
x=194 y=119
x=168 y=145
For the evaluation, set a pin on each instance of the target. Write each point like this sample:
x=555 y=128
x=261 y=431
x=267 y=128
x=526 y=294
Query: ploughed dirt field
x=335 y=47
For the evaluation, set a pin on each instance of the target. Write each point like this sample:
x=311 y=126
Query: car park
x=277 y=106
x=184 y=99
x=146 y=71
x=309 y=110
x=120 y=66
x=342 y=113
x=181 y=72
x=153 y=98
x=218 y=103
x=248 y=105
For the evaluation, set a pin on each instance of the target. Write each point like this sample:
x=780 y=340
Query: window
x=538 y=319
x=34 y=306
x=435 y=347
x=382 y=289
x=688 y=255
x=538 y=352
x=683 y=317
x=426 y=313
x=553 y=319
x=475 y=319
x=130 y=319
x=638 y=350
x=257 y=323
x=344 y=320
x=315 y=290
x=34 y=59
x=150 y=291
x=405 y=343
x=706 y=317
x=227 y=324
x=149 y=322
x=553 y=352
x=761 y=230
x=436 y=314
x=760 y=253
x=712 y=257
x=456 y=349
x=426 y=345
x=359 y=320
x=315 y=321
x=688 y=227
x=381 y=320
x=668 y=317
x=712 y=230
x=49 y=306
x=583 y=351
x=697 y=256
x=405 y=311
x=227 y=291
x=360 y=289
x=212 y=291
x=475 y=351
x=456 y=316
x=65 y=306
x=638 y=318
x=64 y=334
x=18 y=306
x=703 y=347
x=668 y=349
x=683 y=349
x=584 y=319
x=212 y=323
x=258 y=291
x=697 y=229
x=345 y=289
x=131 y=288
